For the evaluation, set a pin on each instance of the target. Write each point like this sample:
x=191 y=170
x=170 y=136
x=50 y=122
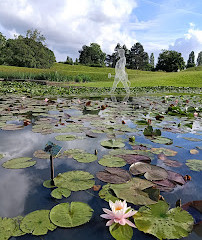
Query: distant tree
x=112 y=59
x=199 y=59
x=151 y=60
x=191 y=60
x=28 y=51
x=2 y=48
x=76 y=61
x=92 y=55
x=35 y=35
x=69 y=61
x=138 y=58
x=170 y=61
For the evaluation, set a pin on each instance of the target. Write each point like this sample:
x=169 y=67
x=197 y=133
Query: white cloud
x=69 y=24
x=192 y=41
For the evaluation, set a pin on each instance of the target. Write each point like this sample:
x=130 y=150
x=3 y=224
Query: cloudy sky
x=70 y=24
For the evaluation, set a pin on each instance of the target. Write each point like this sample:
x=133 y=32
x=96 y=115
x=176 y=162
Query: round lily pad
x=17 y=232
x=71 y=215
x=41 y=154
x=7 y=227
x=12 y=127
x=37 y=223
x=107 y=194
x=74 y=180
x=65 y=137
x=112 y=161
x=166 y=151
x=48 y=184
x=85 y=157
x=158 y=220
x=162 y=140
x=194 y=164
x=192 y=139
x=18 y=163
x=112 y=143
x=133 y=158
x=58 y=193
x=1 y=156
x=70 y=152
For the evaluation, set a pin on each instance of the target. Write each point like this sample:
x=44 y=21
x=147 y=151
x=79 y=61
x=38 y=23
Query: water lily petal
x=108 y=211
x=110 y=222
x=130 y=214
x=130 y=223
x=106 y=216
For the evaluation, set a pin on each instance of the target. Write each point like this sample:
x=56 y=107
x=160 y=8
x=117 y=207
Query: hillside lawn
x=99 y=76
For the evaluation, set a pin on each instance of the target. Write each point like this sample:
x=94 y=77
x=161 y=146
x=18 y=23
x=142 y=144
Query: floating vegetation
x=71 y=215
x=41 y=154
x=113 y=143
x=58 y=193
x=194 y=164
x=65 y=137
x=17 y=163
x=84 y=157
x=112 y=161
x=163 y=223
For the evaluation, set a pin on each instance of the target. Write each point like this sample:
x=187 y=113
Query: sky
x=70 y=24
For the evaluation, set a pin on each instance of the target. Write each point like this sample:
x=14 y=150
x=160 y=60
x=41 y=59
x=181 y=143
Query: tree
x=112 y=59
x=92 y=55
x=199 y=59
x=69 y=61
x=191 y=60
x=28 y=51
x=35 y=35
x=151 y=60
x=138 y=58
x=76 y=61
x=2 y=48
x=170 y=61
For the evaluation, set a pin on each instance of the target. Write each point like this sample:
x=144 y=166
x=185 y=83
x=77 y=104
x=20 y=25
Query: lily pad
x=133 y=158
x=18 y=232
x=163 y=223
x=65 y=137
x=168 y=162
x=113 y=175
x=194 y=151
x=175 y=177
x=58 y=193
x=74 y=180
x=1 y=156
x=162 y=140
x=194 y=164
x=37 y=223
x=107 y=194
x=121 y=232
x=112 y=161
x=47 y=184
x=192 y=139
x=71 y=152
x=41 y=154
x=7 y=227
x=85 y=157
x=166 y=151
x=112 y=143
x=12 y=127
x=71 y=215
x=18 y=163
x=132 y=191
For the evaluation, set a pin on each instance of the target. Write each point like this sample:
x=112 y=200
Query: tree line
x=31 y=51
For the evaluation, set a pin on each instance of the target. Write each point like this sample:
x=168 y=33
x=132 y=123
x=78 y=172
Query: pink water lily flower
x=46 y=99
x=119 y=213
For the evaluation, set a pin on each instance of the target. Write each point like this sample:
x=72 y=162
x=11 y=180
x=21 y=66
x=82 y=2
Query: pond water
x=22 y=190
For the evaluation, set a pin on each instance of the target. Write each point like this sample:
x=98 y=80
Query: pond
x=107 y=134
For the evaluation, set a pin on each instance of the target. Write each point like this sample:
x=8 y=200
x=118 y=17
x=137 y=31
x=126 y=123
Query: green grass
x=99 y=76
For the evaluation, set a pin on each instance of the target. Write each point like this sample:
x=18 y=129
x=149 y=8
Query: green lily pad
x=112 y=161
x=71 y=215
x=37 y=223
x=162 y=140
x=18 y=163
x=41 y=154
x=74 y=180
x=65 y=137
x=112 y=143
x=163 y=223
x=7 y=227
x=58 y=193
x=85 y=157
x=194 y=164
x=18 y=232
x=107 y=194
x=166 y=151
x=70 y=152
x=192 y=139
x=1 y=156
x=12 y=127
x=132 y=191
x=47 y=184
x=121 y=232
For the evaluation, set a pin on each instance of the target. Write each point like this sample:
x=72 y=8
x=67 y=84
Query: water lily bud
x=195 y=114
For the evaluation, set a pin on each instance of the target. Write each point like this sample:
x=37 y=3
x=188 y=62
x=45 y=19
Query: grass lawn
x=99 y=76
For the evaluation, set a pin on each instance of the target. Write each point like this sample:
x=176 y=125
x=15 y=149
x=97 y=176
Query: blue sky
x=70 y=24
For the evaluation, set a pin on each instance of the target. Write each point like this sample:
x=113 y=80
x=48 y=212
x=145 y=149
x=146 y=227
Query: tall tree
x=199 y=59
x=35 y=35
x=92 y=55
x=2 y=48
x=191 y=60
x=170 y=61
x=138 y=58
x=69 y=61
x=151 y=60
